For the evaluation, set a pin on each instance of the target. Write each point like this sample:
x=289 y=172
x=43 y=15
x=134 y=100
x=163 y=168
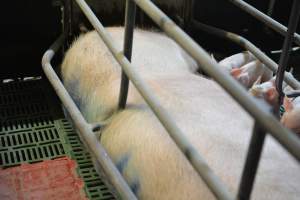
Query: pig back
x=214 y=124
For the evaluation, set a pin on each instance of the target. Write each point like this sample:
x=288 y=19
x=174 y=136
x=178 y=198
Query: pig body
x=143 y=151
x=86 y=79
x=249 y=73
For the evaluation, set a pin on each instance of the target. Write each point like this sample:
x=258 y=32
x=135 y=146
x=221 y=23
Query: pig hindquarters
x=86 y=79
x=138 y=144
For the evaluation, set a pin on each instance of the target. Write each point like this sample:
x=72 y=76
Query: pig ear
x=213 y=58
x=258 y=81
x=244 y=79
x=287 y=103
x=236 y=72
x=271 y=94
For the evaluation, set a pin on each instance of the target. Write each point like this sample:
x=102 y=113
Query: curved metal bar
x=89 y=138
x=243 y=42
x=264 y=18
x=214 y=183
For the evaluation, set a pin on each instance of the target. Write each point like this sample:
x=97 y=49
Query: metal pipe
x=264 y=18
x=284 y=57
x=288 y=139
x=243 y=42
x=252 y=161
x=217 y=187
x=128 y=39
x=188 y=14
x=271 y=7
x=88 y=136
x=293 y=94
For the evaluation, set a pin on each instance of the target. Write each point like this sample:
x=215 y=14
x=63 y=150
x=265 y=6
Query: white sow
x=138 y=144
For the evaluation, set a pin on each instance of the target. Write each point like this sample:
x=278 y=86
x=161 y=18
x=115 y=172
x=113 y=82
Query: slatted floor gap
x=33 y=128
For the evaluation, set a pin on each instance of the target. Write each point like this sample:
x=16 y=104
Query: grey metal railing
x=276 y=26
x=265 y=121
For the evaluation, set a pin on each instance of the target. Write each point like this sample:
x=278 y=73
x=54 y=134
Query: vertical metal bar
x=264 y=18
x=67 y=29
x=252 y=161
x=293 y=22
x=271 y=7
x=188 y=15
x=128 y=39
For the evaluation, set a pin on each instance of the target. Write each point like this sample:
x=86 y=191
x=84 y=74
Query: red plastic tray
x=51 y=179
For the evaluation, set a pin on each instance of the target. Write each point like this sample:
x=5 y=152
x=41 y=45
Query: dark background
x=28 y=28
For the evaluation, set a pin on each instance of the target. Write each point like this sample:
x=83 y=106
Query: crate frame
x=265 y=121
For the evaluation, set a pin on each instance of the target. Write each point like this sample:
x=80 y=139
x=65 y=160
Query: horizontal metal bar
x=243 y=42
x=264 y=18
x=175 y=133
x=84 y=128
x=293 y=94
x=252 y=161
x=288 y=139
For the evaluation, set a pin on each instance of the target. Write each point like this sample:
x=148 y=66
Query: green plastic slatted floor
x=33 y=128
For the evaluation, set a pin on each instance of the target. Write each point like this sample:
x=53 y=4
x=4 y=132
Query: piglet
x=249 y=73
x=266 y=91
x=236 y=60
x=291 y=117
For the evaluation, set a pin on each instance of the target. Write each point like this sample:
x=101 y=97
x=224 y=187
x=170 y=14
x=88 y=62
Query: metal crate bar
x=264 y=18
x=128 y=39
x=214 y=183
x=287 y=138
x=89 y=138
x=271 y=7
x=252 y=161
x=284 y=57
x=243 y=42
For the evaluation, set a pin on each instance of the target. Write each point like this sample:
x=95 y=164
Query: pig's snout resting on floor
x=142 y=150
